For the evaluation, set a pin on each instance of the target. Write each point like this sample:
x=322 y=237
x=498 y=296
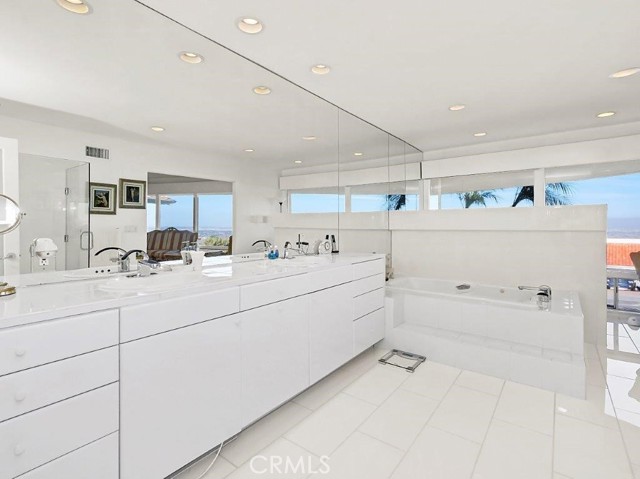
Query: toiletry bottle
x=276 y=253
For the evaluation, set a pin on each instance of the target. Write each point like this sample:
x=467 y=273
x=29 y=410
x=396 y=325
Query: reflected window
x=316 y=201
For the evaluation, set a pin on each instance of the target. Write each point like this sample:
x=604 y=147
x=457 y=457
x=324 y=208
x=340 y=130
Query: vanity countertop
x=62 y=296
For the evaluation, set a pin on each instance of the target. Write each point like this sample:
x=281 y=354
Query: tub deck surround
x=490 y=329
x=64 y=296
x=104 y=367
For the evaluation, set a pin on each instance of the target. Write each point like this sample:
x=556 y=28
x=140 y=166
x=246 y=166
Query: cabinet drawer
x=366 y=285
x=368 y=302
x=98 y=460
x=368 y=268
x=259 y=294
x=37 y=387
x=148 y=319
x=367 y=331
x=28 y=346
x=328 y=278
x=33 y=439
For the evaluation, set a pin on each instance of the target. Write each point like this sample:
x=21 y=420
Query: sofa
x=165 y=245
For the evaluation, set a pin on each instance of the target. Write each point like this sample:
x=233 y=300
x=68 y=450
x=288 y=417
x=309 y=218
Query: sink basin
x=306 y=261
x=152 y=284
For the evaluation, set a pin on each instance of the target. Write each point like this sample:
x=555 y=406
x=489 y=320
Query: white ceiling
x=522 y=68
x=521 y=72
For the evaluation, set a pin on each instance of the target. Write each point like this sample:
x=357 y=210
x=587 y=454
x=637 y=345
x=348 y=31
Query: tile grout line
x=615 y=411
x=493 y=414
x=426 y=424
x=553 y=434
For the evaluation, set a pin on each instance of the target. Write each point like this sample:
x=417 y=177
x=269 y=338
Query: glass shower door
x=78 y=237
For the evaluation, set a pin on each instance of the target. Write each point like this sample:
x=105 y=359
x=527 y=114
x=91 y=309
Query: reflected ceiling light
x=606 y=114
x=249 y=150
x=75 y=6
x=157 y=128
x=457 y=107
x=320 y=69
x=479 y=134
x=297 y=162
x=250 y=25
x=262 y=90
x=191 y=57
x=357 y=153
x=625 y=73
x=309 y=138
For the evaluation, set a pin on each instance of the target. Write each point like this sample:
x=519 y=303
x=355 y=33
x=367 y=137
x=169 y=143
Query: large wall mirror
x=295 y=167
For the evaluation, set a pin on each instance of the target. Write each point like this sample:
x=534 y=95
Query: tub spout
x=543 y=290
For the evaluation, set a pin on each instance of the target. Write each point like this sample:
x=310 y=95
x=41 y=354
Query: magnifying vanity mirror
x=10 y=215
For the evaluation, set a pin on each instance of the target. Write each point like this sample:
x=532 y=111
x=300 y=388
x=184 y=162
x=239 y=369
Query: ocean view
x=623 y=228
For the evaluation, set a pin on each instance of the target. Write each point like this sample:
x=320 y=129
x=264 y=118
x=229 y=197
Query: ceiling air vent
x=97 y=152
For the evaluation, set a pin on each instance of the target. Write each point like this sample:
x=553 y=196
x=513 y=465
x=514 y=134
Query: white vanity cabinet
x=59 y=394
x=180 y=395
x=275 y=355
x=330 y=330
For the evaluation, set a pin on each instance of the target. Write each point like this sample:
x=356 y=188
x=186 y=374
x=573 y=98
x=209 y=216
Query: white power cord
x=212 y=462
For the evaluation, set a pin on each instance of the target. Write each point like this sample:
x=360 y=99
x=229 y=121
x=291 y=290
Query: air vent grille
x=97 y=152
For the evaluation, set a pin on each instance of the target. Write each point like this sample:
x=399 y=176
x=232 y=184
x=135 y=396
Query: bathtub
x=496 y=330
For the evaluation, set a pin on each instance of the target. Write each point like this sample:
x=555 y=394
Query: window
x=215 y=220
x=321 y=200
x=495 y=190
x=211 y=215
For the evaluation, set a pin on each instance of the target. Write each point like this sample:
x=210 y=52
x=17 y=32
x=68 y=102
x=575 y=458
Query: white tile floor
x=375 y=421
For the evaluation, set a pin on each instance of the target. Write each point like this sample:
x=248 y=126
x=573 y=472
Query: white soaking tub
x=494 y=330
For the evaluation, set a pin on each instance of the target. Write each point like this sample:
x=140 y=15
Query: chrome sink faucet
x=123 y=257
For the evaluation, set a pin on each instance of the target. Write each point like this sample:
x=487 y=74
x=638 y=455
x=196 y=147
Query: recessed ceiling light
x=309 y=138
x=357 y=153
x=157 y=128
x=262 y=90
x=606 y=114
x=249 y=150
x=191 y=57
x=457 y=107
x=625 y=73
x=320 y=69
x=297 y=162
x=250 y=25
x=482 y=133
x=75 y=6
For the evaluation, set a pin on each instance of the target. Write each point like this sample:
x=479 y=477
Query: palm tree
x=478 y=197
x=554 y=194
x=396 y=202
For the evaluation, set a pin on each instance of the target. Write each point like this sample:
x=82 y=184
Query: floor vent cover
x=402 y=359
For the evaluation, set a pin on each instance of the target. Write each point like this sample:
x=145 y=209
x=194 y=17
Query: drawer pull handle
x=20 y=352
x=20 y=396
x=18 y=450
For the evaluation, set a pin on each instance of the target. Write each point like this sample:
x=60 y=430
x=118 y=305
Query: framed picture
x=102 y=198
x=133 y=194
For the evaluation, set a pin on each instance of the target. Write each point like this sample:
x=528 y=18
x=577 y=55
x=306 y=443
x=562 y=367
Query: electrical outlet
x=131 y=229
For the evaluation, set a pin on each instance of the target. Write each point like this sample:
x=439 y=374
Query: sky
x=216 y=212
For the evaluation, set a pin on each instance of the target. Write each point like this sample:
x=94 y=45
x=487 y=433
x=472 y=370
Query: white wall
x=43 y=201
x=254 y=187
x=9 y=186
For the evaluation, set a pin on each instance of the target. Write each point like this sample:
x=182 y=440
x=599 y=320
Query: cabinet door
x=275 y=356
x=330 y=330
x=179 y=396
